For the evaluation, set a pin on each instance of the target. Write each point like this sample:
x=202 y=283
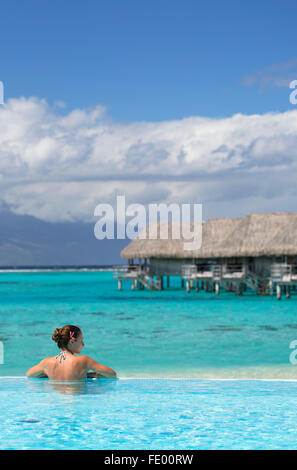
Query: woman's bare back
x=67 y=367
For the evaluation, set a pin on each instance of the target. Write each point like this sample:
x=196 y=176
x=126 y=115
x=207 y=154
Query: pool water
x=148 y=414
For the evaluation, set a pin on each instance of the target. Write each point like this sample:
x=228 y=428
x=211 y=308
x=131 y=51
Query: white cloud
x=59 y=167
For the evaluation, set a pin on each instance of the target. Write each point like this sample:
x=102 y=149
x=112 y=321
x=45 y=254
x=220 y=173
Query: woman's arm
x=37 y=371
x=100 y=369
x=94 y=375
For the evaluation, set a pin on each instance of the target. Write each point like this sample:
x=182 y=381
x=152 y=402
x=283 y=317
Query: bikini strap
x=61 y=356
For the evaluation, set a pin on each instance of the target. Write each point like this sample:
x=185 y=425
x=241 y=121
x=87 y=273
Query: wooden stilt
x=288 y=292
x=217 y=288
x=238 y=288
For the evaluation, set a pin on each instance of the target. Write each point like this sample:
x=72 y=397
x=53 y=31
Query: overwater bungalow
x=258 y=251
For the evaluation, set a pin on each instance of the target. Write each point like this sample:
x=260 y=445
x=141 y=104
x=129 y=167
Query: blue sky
x=150 y=61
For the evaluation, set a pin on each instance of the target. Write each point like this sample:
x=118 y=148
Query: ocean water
x=148 y=414
x=146 y=334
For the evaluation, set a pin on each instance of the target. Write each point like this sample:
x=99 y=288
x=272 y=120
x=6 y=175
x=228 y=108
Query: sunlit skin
x=73 y=367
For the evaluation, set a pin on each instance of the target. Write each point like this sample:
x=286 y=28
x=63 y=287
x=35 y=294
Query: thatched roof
x=285 y=241
x=174 y=248
x=255 y=234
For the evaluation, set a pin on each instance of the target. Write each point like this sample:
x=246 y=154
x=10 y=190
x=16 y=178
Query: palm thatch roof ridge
x=256 y=234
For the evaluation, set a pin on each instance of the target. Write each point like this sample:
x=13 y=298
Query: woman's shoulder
x=47 y=360
x=83 y=358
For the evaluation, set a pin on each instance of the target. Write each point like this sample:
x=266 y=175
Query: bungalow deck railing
x=137 y=273
x=233 y=268
x=188 y=270
x=216 y=271
x=129 y=270
x=193 y=270
x=282 y=272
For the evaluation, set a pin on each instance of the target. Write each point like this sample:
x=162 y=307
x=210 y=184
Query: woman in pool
x=67 y=366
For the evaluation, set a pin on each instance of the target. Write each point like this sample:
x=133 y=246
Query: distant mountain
x=28 y=241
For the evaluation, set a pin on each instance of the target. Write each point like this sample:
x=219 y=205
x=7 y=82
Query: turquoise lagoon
x=146 y=334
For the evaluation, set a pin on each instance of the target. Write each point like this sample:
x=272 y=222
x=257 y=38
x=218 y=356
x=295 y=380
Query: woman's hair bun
x=57 y=335
x=62 y=336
